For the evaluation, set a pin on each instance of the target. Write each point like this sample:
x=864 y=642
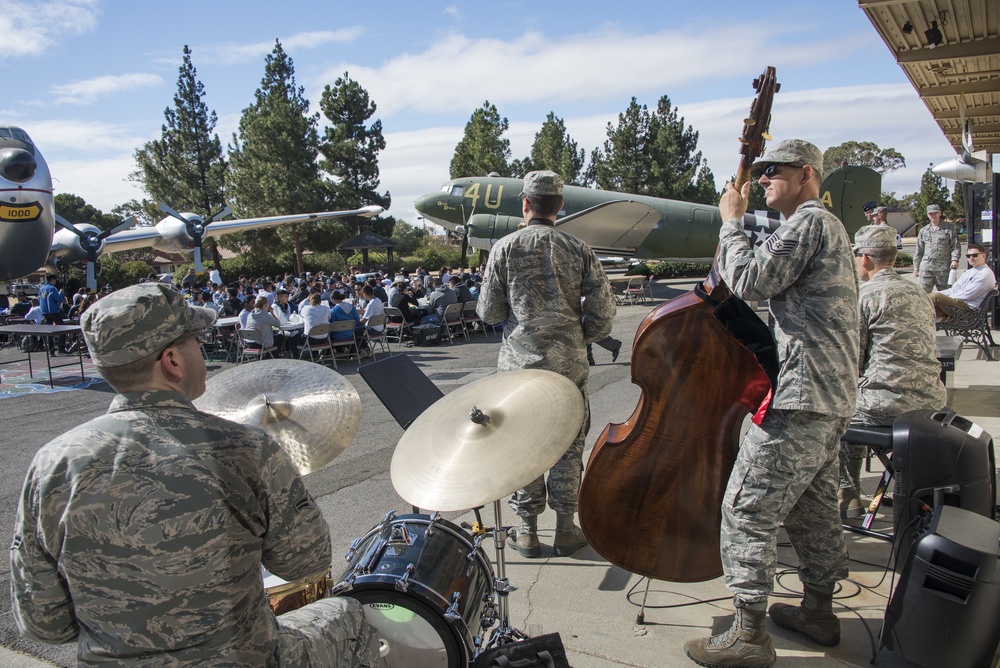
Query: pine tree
x=350 y=151
x=932 y=191
x=272 y=163
x=483 y=148
x=185 y=168
x=554 y=149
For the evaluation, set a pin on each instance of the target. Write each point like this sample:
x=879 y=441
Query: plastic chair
x=317 y=341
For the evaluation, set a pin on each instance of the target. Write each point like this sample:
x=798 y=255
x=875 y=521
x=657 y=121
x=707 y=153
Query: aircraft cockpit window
x=4 y=133
x=456 y=191
x=20 y=135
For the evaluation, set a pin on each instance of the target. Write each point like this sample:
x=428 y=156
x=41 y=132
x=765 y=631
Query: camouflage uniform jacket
x=535 y=279
x=937 y=247
x=806 y=271
x=143 y=531
x=899 y=367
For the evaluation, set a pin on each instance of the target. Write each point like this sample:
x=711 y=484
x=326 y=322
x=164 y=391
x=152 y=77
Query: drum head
x=411 y=634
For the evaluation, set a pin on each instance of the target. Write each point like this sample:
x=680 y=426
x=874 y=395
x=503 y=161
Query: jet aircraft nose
x=17 y=165
x=424 y=203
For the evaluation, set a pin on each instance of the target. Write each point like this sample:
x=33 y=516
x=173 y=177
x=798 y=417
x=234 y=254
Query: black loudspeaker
x=938 y=450
x=945 y=611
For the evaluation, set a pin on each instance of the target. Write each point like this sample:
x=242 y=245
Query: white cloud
x=29 y=28
x=457 y=72
x=89 y=90
x=232 y=53
x=452 y=11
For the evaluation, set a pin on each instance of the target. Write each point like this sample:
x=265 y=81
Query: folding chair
x=635 y=292
x=453 y=320
x=396 y=325
x=374 y=338
x=471 y=319
x=317 y=341
x=251 y=345
x=348 y=346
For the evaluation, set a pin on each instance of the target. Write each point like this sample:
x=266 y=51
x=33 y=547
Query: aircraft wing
x=619 y=225
x=137 y=237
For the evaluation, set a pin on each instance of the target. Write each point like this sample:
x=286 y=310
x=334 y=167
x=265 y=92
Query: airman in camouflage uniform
x=938 y=251
x=536 y=279
x=141 y=534
x=899 y=370
x=786 y=469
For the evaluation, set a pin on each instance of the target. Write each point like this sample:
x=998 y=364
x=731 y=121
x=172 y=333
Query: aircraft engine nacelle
x=27 y=216
x=66 y=247
x=484 y=229
x=958 y=169
x=174 y=235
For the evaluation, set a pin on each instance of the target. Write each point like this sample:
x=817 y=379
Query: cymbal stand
x=503 y=634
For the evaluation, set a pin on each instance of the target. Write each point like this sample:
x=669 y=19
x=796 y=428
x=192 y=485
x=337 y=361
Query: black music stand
x=401 y=387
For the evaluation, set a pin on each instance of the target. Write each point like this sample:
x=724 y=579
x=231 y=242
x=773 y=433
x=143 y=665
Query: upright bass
x=651 y=497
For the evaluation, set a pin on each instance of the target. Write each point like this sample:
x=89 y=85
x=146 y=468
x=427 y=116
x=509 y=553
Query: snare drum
x=284 y=596
x=426 y=589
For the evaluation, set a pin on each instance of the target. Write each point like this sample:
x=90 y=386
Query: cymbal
x=487 y=439
x=310 y=410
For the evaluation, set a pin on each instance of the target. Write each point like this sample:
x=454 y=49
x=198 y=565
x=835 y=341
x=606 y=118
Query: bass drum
x=424 y=587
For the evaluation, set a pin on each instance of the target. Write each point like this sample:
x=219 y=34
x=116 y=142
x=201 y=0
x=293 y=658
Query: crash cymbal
x=311 y=411
x=487 y=439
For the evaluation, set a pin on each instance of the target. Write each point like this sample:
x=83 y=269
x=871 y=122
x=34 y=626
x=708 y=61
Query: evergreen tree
x=554 y=149
x=956 y=210
x=350 y=151
x=932 y=191
x=272 y=163
x=185 y=168
x=866 y=154
x=483 y=148
x=76 y=210
x=654 y=154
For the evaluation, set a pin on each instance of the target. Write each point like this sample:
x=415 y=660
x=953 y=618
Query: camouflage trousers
x=786 y=472
x=330 y=633
x=930 y=277
x=563 y=479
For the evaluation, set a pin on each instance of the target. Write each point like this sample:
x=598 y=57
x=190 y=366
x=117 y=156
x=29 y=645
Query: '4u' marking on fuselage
x=473 y=194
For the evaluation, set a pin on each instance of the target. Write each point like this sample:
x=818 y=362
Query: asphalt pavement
x=592 y=605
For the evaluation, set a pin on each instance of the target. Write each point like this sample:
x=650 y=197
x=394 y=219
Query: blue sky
x=89 y=79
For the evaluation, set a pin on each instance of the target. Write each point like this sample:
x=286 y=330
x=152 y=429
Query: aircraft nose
x=424 y=203
x=17 y=165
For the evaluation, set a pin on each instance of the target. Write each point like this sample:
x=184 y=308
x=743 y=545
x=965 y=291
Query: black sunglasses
x=972 y=255
x=772 y=169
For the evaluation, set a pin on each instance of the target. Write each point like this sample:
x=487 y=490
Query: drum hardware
x=403 y=583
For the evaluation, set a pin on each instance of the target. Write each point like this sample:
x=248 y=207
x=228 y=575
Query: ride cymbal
x=311 y=411
x=487 y=439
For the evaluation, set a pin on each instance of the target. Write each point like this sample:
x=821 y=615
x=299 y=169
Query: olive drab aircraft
x=485 y=209
x=28 y=219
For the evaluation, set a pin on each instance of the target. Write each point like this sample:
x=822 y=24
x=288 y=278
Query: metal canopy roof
x=966 y=61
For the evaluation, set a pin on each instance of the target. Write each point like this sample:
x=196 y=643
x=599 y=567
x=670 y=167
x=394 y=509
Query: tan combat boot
x=850 y=502
x=526 y=541
x=814 y=618
x=745 y=645
x=569 y=538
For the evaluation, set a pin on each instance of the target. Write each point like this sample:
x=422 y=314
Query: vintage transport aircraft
x=487 y=208
x=28 y=218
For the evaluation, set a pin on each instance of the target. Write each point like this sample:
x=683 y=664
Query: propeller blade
x=162 y=206
x=69 y=226
x=122 y=226
x=227 y=211
x=198 y=267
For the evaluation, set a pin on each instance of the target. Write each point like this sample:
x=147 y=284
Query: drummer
x=141 y=534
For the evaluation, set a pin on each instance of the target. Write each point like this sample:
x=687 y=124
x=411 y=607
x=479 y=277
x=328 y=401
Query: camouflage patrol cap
x=796 y=152
x=873 y=237
x=542 y=182
x=138 y=321
x=933 y=208
x=881 y=209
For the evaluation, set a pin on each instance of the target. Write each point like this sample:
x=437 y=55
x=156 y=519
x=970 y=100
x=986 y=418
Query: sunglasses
x=972 y=255
x=202 y=339
x=773 y=168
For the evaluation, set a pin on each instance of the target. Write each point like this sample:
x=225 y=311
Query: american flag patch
x=775 y=245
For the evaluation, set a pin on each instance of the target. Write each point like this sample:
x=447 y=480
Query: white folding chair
x=343 y=348
x=317 y=341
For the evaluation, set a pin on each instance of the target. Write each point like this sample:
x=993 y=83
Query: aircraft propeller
x=196 y=229
x=91 y=242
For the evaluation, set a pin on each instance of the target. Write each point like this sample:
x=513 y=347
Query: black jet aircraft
x=28 y=218
x=486 y=209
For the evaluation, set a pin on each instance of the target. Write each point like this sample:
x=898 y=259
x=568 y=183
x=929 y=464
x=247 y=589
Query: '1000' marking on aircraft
x=488 y=208
x=28 y=218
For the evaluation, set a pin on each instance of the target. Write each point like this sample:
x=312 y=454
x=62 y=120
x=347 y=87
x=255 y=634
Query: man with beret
x=551 y=291
x=938 y=251
x=141 y=534
x=787 y=467
x=898 y=365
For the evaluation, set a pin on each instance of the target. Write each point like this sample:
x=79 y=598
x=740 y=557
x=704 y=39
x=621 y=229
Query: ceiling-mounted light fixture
x=907 y=28
x=933 y=35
